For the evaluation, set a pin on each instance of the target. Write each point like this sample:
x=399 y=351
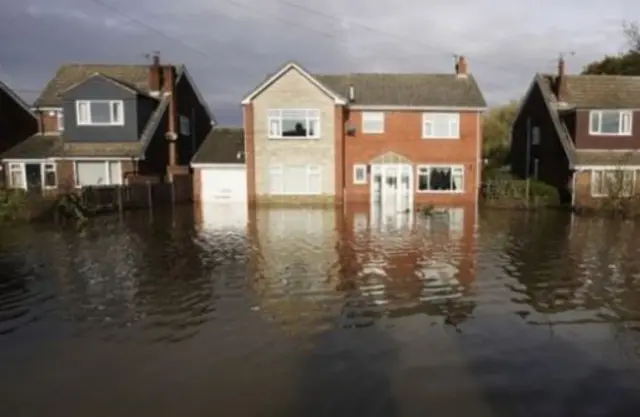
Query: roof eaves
x=561 y=129
x=152 y=125
x=182 y=71
x=17 y=99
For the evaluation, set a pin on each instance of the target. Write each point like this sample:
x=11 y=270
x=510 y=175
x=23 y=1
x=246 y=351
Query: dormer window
x=610 y=122
x=100 y=112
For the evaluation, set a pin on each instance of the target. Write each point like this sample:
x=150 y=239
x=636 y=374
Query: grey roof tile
x=223 y=145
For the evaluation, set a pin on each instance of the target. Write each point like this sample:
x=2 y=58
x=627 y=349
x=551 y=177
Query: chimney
x=561 y=81
x=461 y=66
x=352 y=93
x=155 y=75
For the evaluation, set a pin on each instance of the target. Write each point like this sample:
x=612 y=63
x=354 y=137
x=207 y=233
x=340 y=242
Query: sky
x=229 y=46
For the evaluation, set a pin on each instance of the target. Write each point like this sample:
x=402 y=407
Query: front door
x=391 y=186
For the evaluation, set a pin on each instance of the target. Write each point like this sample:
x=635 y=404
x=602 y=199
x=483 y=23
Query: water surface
x=319 y=312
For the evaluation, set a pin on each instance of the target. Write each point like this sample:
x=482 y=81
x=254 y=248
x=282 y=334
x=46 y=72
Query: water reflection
x=516 y=314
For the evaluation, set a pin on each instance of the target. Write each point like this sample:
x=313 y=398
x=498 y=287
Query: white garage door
x=224 y=216
x=223 y=183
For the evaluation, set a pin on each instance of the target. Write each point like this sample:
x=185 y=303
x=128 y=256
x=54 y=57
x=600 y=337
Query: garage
x=219 y=170
x=226 y=183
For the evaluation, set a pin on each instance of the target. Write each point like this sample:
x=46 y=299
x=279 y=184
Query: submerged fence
x=137 y=195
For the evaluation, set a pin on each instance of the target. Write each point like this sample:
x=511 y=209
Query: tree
x=496 y=131
x=627 y=63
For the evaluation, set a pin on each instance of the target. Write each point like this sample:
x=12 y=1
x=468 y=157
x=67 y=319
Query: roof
x=68 y=75
x=601 y=91
x=223 y=145
x=389 y=89
x=4 y=87
x=52 y=146
x=423 y=90
x=134 y=77
x=35 y=147
x=607 y=157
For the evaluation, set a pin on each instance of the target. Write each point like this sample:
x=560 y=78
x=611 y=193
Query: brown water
x=321 y=313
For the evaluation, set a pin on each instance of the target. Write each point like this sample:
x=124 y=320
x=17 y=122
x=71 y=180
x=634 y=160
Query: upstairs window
x=372 y=122
x=185 y=126
x=294 y=124
x=610 y=122
x=440 y=126
x=100 y=112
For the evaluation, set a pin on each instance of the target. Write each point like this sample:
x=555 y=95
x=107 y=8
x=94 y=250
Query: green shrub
x=513 y=192
x=18 y=205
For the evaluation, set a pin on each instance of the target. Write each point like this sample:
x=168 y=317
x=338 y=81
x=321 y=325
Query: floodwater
x=315 y=312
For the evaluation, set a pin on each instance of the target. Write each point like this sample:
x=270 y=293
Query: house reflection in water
x=352 y=265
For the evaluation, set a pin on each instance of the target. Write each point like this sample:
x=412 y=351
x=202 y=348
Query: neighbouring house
x=17 y=121
x=219 y=171
x=110 y=125
x=401 y=139
x=580 y=134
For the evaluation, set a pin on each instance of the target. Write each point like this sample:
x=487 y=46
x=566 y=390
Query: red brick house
x=17 y=122
x=110 y=124
x=402 y=139
x=581 y=134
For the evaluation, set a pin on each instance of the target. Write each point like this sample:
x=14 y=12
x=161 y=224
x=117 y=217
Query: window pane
x=294 y=127
x=115 y=177
x=428 y=129
x=441 y=127
x=91 y=173
x=440 y=179
x=100 y=112
x=116 y=112
x=16 y=179
x=610 y=122
x=315 y=183
x=314 y=127
x=83 y=112
x=49 y=175
x=423 y=179
x=295 y=179
x=275 y=181
x=626 y=123
x=595 y=121
x=60 y=115
x=458 y=180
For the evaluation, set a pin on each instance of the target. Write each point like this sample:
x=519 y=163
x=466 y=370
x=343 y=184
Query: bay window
x=33 y=175
x=440 y=178
x=293 y=124
x=614 y=183
x=96 y=173
x=100 y=112
x=295 y=180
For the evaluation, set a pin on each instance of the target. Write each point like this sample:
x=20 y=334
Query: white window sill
x=293 y=138
x=360 y=183
x=439 y=138
x=440 y=191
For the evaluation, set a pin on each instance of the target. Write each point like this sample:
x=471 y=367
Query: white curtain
x=91 y=173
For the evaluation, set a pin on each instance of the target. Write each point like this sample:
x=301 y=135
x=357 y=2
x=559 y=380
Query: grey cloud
x=233 y=44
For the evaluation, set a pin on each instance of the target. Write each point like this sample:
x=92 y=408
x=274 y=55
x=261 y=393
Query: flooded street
x=221 y=311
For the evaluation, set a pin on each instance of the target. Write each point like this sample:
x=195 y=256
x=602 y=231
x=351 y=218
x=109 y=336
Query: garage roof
x=223 y=145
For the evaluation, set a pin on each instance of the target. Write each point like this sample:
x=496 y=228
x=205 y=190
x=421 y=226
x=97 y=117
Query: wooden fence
x=137 y=195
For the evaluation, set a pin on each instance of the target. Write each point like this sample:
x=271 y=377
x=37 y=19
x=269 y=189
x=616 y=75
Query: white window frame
x=22 y=168
x=363 y=168
x=625 y=126
x=106 y=168
x=60 y=120
x=185 y=125
x=312 y=169
x=454 y=125
x=274 y=116
x=453 y=167
x=375 y=118
x=117 y=117
x=593 y=187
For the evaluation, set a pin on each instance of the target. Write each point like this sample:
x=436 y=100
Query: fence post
x=149 y=196
x=120 y=205
x=173 y=193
